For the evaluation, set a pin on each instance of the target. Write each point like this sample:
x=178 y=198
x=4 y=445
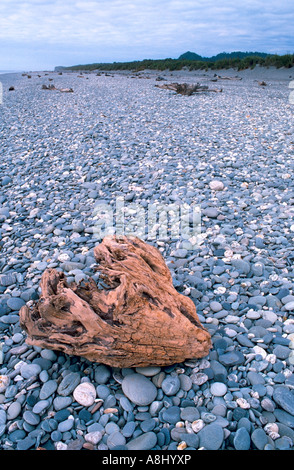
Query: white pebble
x=198 y=425
x=218 y=389
x=85 y=394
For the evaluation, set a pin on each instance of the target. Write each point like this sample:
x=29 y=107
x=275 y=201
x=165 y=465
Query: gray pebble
x=68 y=384
x=145 y=441
x=138 y=389
x=30 y=370
x=47 y=389
x=211 y=436
x=242 y=439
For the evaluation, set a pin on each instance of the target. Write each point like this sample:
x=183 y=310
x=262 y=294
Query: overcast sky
x=40 y=34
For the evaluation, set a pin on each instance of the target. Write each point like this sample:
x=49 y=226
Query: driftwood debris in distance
x=187 y=88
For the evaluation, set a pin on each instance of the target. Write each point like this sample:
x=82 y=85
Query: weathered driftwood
x=187 y=88
x=228 y=78
x=52 y=87
x=140 y=320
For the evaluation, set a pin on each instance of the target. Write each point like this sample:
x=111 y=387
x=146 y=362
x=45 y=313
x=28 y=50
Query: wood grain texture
x=140 y=320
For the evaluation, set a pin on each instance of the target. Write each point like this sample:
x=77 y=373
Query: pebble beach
x=117 y=135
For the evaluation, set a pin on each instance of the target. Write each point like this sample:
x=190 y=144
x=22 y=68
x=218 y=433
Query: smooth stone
x=284 y=417
x=242 y=266
x=66 y=425
x=255 y=378
x=283 y=443
x=216 y=185
x=102 y=374
x=259 y=438
x=172 y=414
x=190 y=413
x=93 y=437
x=218 y=389
x=61 y=402
x=145 y=441
x=115 y=439
x=126 y=404
x=68 y=384
x=61 y=415
x=40 y=407
x=215 y=306
x=289 y=306
x=282 y=352
x=102 y=391
x=30 y=370
x=171 y=385
x=211 y=436
x=139 y=389
x=85 y=394
x=129 y=428
x=31 y=418
x=15 y=303
x=284 y=398
x=148 y=371
x=7 y=280
x=13 y=410
x=148 y=425
x=211 y=212
x=47 y=389
x=232 y=358
x=242 y=439
x=26 y=443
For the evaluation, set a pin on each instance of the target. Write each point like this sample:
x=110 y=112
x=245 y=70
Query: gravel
x=230 y=153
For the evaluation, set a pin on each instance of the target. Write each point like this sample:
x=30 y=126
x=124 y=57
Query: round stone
x=68 y=384
x=172 y=414
x=218 y=389
x=285 y=398
x=15 y=303
x=30 y=370
x=216 y=185
x=4 y=382
x=259 y=438
x=13 y=410
x=171 y=385
x=48 y=388
x=215 y=306
x=102 y=374
x=242 y=439
x=85 y=394
x=139 y=389
x=190 y=413
x=93 y=437
x=289 y=306
x=115 y=439
x=211 y=436
x=148 y=371
x=145 y=441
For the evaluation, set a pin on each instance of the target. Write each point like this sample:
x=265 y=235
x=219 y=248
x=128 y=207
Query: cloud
x=136 y=29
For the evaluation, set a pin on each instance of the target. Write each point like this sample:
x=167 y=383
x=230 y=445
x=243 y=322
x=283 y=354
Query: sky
x=42 y=34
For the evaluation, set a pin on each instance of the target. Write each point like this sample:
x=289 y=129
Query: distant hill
x=222 y=55
x=190 y=56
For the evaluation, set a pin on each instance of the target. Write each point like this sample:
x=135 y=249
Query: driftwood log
x=139 y=320
x=52 y=87
x=187 y=88
x=228 y=78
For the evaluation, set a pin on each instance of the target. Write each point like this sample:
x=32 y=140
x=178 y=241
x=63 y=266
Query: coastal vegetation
x=192 y=61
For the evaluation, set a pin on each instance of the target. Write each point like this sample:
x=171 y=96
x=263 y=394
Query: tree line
x=239 y=63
